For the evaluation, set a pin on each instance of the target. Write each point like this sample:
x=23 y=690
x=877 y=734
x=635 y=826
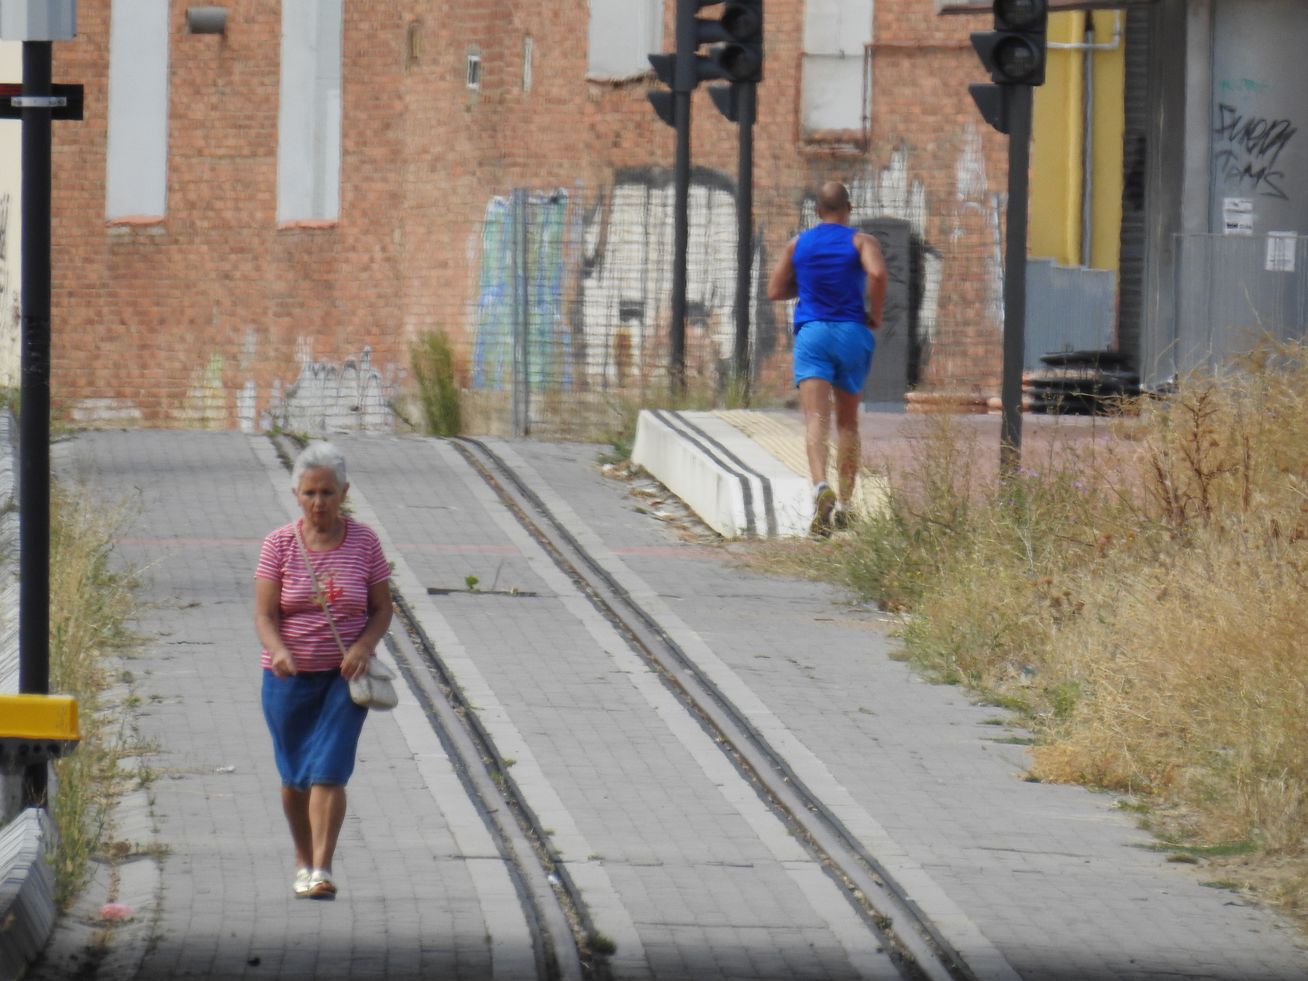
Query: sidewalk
x=690 y=876
x=424 y=892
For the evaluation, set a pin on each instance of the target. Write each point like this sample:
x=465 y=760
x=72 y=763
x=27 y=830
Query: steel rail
x=919 y=947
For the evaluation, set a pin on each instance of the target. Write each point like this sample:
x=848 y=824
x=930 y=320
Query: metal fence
x=573 y=298
x=1232 y=291
x=1068 y=309
x=567 y=325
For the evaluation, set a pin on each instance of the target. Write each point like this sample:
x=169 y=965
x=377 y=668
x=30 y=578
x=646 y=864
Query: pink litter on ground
x=116 y=911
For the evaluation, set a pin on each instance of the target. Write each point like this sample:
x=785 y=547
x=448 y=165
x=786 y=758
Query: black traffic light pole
x=34 y=426
x=680 y=242
x=1014 y=55
x=738 y=58
x=1010 y=394
x=745 y=105
x=685 y=78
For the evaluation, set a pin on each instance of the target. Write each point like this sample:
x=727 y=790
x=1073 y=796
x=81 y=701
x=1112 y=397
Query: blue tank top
x=830 y=274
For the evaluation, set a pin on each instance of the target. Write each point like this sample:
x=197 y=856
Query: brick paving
x=677 y=860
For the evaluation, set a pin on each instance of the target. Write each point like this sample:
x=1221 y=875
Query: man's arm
x=874 y=264
x=782 y=284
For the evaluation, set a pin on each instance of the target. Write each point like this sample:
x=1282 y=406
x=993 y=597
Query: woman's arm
x=268 y=625
x=380 y=609
x=782 y=284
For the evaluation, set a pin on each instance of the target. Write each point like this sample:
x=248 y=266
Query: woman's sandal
x=321 y=885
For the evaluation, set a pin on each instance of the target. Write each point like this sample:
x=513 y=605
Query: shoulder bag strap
x=318 y=592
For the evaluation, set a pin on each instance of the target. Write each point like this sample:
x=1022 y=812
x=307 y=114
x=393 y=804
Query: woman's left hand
x=355 y=663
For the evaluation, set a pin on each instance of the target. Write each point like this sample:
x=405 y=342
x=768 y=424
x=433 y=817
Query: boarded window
x=136 y=168
x=309 y=116
x=623 y=33
x=835 y=90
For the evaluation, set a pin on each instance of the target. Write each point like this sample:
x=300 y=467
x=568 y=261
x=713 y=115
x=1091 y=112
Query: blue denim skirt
x=314 y=725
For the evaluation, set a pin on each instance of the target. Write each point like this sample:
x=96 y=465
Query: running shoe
x=824 y=502
x=841 y=519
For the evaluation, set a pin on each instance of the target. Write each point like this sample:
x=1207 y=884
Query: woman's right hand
x=283 y=665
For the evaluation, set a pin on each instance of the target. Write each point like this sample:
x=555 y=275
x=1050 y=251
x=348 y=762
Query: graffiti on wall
x=205 y=403
x=520 y=295
x=626 y=287
x=581 y=295
x=331 y=397
x=974 y=201
x=1247 y=148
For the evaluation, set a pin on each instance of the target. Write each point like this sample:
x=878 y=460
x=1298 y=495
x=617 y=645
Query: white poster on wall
x=1280 y=251
x=1237 y=216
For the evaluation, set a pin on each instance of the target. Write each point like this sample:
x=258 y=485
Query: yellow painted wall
x=1057 y=148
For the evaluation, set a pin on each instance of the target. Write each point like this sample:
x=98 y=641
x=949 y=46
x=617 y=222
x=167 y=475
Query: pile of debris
x=1079 y=383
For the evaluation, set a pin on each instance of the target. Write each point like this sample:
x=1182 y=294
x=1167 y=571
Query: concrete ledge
x=737 y=487
x=27 y=907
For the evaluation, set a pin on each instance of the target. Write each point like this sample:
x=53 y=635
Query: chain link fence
x=568 y=321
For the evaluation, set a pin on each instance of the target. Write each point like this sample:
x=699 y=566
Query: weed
x=624 y=411
x=601 y=944
x=436 y=372
x=89 y=607
x=1137 y=597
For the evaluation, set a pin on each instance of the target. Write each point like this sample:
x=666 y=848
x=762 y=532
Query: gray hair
x=316 y=455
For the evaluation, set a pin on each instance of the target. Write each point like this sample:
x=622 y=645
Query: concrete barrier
x=27 y=905
x=736 y=486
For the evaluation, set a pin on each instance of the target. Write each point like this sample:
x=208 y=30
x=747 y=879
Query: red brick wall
x=211 y=315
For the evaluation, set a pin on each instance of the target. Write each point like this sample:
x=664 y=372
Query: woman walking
x=324 y=565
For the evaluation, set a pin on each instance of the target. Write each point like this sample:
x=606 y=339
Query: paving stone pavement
x=423 y=895
x=691 y=875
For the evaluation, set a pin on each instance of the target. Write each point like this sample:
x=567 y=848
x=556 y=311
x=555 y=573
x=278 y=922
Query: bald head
x=832 y=200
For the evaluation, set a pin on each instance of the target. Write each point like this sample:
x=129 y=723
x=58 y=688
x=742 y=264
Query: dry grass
x=89 y=607
x=1140 y=599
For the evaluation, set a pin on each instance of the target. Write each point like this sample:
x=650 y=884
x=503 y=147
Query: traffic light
x=740 y=57
x=736 y=52
x=1014 y=52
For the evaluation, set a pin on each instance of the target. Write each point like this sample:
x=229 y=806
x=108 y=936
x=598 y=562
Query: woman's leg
x=296 y=805
x=326 y=815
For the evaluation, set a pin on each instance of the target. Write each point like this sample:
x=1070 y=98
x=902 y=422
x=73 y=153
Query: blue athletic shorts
x=315 y=727
x=838 y=351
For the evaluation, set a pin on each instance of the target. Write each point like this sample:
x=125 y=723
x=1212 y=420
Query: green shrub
x=90 y=604
x=434 y=368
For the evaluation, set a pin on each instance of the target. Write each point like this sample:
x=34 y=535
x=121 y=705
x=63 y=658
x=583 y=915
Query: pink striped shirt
x=344 y=572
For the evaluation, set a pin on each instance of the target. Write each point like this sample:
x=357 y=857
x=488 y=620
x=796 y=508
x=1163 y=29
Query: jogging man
x=839 y=277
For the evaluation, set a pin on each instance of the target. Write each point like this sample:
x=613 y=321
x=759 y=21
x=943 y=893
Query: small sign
x=1237 y=216
x=38 y=20
x=1280 y=251
x=64 y=101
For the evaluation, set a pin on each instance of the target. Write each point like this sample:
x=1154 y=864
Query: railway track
x=567 y=944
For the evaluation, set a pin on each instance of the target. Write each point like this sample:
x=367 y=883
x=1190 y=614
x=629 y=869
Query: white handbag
x=372 y=689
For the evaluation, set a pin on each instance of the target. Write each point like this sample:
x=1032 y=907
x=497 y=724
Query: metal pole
x=1019 y=153
x=34 y=427
x=521 y=317
x=680 y=243
x=745 y=107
